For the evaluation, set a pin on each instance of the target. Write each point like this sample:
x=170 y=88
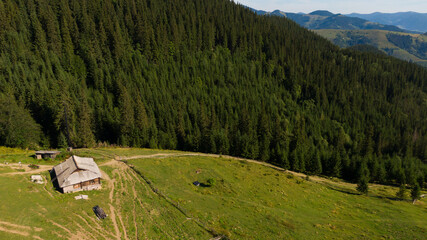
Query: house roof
x=76 y=170
x=48 y=152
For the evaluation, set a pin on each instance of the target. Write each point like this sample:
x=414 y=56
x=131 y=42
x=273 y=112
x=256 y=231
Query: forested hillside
x=208 y=76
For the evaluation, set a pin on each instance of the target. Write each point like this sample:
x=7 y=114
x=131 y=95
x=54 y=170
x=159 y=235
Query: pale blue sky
x=338 y=6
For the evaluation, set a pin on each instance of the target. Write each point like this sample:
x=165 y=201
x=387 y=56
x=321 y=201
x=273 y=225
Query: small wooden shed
x=76 y=174
x=47 y=154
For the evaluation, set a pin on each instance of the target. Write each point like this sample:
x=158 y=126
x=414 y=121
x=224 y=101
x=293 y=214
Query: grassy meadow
x=251 y=201
x=154 y=198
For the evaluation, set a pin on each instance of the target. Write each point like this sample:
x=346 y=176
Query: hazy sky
x=338 y=6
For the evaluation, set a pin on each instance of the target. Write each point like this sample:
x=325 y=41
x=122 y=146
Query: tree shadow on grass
x=353 y=192
x=204 y=185
x=342 y=190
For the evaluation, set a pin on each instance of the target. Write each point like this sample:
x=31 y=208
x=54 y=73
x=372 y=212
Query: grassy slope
x=378 y=38
x=15 y=155
x=138 y=211
x=253 y=201
x=27 y=204
x=248 y=201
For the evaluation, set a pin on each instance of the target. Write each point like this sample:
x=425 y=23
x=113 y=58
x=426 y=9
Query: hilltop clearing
x=151 y=195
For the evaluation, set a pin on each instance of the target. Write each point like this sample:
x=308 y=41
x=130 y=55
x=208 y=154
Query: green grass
x=6 y=170
x=247 y=201
x=250 y=201
x=35 y=206
x=139 y=211
x=15 y=155
x=122 y=151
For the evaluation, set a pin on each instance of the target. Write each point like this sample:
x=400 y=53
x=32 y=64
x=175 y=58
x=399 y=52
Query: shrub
x=33 y=166
x=211 y=182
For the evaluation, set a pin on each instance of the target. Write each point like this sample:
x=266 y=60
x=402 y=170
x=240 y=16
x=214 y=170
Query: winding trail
x=328 y=182
x=28 y=170
x=118 y=168
x=167 y=155
x=21 y=230
x=113 y=210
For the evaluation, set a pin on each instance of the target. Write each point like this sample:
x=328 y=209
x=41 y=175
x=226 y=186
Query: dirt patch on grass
x=60 y=226
x=18 y=232
x=17 y=229
x=24 y=169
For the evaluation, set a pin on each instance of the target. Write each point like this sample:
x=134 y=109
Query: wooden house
x=76 y=174
x=46 y=154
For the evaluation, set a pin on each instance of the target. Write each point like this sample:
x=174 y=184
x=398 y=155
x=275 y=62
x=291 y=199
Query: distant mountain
x=323 y=19
x=407 y=20
x=410 y=47
x=259 y=12
x=351 y=31
x=322 y=13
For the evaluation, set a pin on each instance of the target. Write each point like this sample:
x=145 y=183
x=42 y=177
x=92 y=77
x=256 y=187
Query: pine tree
x=317 y=163
x=362 y=185
x=402 y=192
x=62 y=141
x=415 y=193
x=17 y=127
x=85 y=136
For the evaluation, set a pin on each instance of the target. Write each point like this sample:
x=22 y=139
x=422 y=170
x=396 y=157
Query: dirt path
x=22 y=233
x=16 y=229
x=316 y=179
x=111 y=183
x=113 y=210
x=93 y=222
x=60 y=226
x=91 y=227
x=167 y=155
x=28 y=170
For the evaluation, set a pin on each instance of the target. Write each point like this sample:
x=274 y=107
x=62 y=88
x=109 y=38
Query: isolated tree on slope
x=362 y=184
x=402 y=192
x=415 y=193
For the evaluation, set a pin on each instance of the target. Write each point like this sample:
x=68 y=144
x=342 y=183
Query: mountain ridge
x=324 y=22
x=323 y=19
x=413 y=21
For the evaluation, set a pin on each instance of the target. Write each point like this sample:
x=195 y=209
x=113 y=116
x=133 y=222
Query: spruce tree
x=402 y=192
x=362 y=183
x=415 y=193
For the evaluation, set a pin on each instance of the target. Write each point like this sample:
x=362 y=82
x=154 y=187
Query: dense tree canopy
x=210 y=76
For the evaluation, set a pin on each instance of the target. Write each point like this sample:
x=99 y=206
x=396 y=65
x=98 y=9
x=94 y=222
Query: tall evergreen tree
x=415 y=193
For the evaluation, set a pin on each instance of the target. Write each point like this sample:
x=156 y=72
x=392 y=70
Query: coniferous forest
x=207 y=76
